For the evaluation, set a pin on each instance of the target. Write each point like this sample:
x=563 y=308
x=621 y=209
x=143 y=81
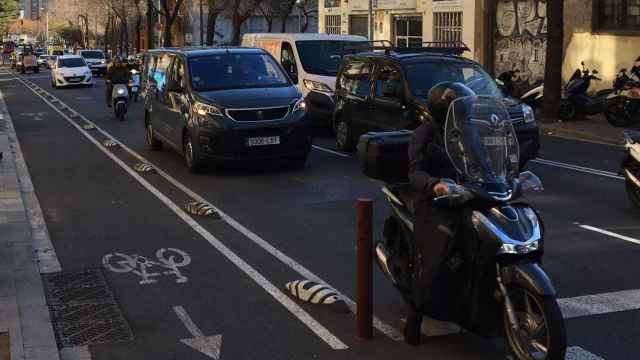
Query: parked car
x=96 y=60
x=387 y=91
x=224 y=104
x=70 y=70
x=312 y=61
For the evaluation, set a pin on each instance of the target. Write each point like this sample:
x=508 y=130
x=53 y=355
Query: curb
x=27 y=250
x=556 y=130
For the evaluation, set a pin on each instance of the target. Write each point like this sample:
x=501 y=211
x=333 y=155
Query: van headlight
x=206 y=109
x=317 y=86
x=528 y=114
x=300 y=105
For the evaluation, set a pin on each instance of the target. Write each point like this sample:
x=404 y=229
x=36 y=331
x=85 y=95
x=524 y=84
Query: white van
x=312 y=61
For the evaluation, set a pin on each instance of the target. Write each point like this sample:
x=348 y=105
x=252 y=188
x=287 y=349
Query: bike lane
x=93 y=209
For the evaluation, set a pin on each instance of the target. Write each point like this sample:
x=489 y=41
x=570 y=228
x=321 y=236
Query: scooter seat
x=407 y=194
x=604 y=92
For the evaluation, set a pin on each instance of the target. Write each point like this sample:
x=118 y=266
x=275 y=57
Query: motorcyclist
x=116 y=74
x=431 y=174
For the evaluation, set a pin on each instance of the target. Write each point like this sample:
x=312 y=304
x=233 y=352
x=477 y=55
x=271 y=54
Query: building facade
x=410 y=22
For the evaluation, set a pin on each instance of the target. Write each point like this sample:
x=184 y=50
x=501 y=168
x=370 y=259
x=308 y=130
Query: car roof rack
x=441 y=47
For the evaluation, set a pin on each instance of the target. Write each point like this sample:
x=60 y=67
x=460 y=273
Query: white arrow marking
x=208 y=345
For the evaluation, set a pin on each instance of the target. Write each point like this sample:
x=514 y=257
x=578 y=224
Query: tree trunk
x=211 y=27
x=107 y=30
x=553 y=62
x=166 y=32
x=305 y=24
x=269 y=24
x=283 y=25
x=236 y=23
x=138 y=32
x=151 y=24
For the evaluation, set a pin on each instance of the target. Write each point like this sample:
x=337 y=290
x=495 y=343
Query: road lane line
x=380 y=325
x=322 y=332
x=188 y=323
x=330 y=151
x=578 y=353
x=577 y=168
x=599 y=304
x=610 y=233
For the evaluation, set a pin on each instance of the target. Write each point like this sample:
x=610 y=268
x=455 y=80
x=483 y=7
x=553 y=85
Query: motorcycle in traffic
x=624 y=107
x=575 y=99
x=134 y=85
x=120 y=100
x=492 y=282
x=630 y=168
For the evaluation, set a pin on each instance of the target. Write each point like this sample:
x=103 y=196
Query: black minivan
x=223 y=104
x=387 y=91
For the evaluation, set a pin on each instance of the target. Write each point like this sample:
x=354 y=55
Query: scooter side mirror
x=582 y=63
x=529 y=182
x=638 y=59
x=595 y=71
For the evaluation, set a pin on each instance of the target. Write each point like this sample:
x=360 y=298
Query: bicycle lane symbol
x=168 y=259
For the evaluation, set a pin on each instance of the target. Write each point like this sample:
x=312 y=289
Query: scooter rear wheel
x=567 y=111
x=541 y=334
x=618 y=114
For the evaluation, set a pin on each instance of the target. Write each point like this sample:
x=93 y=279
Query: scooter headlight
x=528 y=113
x=519 y=249
x=121 y=92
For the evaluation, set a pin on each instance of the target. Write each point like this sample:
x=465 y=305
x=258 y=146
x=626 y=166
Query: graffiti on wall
x=521 y=38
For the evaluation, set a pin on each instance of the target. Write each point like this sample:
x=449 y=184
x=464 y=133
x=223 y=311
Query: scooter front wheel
x=567 y=111
x=618 y=114
x=541 y=333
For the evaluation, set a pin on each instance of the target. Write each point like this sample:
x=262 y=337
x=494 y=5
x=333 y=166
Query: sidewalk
x=24 y=242
x=594 y=129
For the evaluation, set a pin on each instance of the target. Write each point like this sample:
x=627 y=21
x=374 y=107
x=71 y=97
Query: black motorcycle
x=575 y=99
x=624 y=107
x=531 y=95
x=492 y=282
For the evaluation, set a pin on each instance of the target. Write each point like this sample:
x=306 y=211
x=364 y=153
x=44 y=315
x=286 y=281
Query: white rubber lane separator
x=598 y=304
x=610 y=233
x=258 y=278
x=330 y=151
x=578 y=353
x=380 y=325
x=577 y=168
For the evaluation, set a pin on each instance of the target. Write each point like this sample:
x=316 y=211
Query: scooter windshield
x=481 y=142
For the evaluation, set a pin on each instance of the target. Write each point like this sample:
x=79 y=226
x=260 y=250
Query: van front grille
x=261 y=114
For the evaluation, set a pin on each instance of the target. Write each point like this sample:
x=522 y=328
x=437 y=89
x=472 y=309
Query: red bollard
x=364 y=274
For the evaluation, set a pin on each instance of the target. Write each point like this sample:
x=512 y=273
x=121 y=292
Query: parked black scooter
x=533 y=96
x=575 y=99
x=623 y=108
x=492 y=282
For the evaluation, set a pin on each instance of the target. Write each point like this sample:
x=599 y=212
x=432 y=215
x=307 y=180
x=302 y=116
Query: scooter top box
x=385 y=155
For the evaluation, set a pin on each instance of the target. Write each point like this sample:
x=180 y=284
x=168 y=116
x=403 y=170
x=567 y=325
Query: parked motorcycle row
x=620 y=104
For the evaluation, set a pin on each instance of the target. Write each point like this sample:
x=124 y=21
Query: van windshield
x=422 y=76
x=235 y=71
x=92 y=54
x=324 y=57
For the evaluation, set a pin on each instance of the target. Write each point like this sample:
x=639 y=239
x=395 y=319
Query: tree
x=286 y=7
x=307 y=8
x=214 y=9
x=239 y=12
x=169 y=13
x=139 y=16
x=8 y=12
x=24 y=26
x=553 y=62
x=270 y=10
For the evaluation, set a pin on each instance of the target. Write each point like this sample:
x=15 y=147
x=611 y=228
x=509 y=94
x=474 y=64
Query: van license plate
x=259 y=141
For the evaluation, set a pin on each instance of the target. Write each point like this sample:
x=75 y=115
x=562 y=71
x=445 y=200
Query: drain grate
x=83 y=309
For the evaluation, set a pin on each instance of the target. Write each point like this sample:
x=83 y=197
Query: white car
x=42 y=60
x=70 y=70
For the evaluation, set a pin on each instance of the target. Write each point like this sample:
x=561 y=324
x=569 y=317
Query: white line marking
x=578 y=353
x=383 y=327
x=208 y=345
x=271 y=289
x=609 y=233
x=330 y=151
x=599 y=304
x=188 y=323
x=577 y=168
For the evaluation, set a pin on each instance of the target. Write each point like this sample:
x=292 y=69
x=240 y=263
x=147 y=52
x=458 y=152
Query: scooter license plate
x=134 y=89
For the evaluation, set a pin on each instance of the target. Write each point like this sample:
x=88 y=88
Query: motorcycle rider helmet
x=442 y=95
x=117 y=60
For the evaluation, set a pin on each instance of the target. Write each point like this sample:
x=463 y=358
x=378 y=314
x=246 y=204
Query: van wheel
x=192 y=156
x=152 y=141
x=344 y=136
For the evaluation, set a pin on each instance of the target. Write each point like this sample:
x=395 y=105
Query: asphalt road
x=281 y=224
